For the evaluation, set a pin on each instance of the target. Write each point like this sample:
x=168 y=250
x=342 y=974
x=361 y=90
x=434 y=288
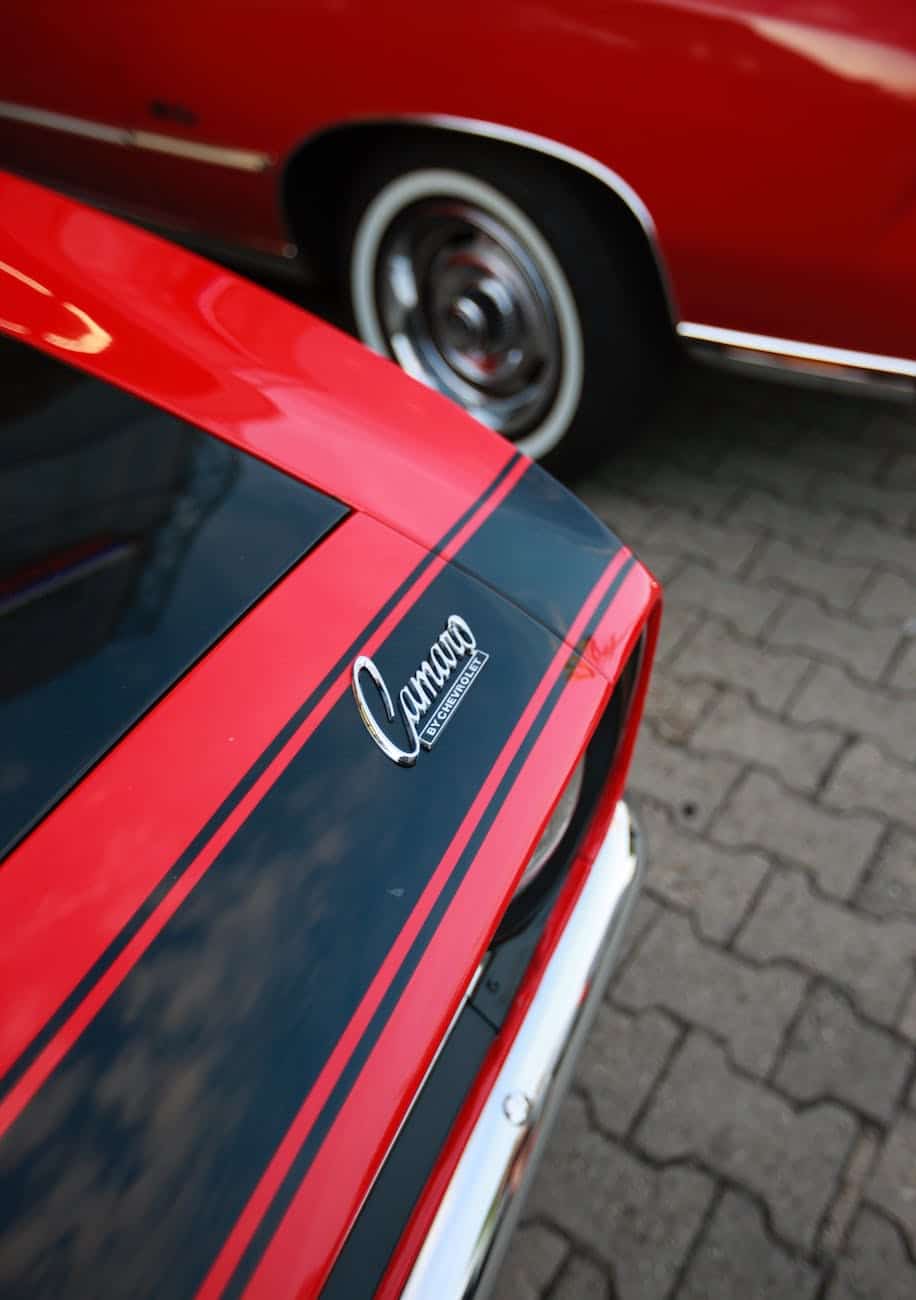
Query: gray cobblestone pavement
x=743 y=1122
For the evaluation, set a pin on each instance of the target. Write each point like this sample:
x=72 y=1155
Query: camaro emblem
x=436 y=689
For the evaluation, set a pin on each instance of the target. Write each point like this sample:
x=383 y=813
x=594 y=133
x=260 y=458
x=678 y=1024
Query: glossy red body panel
x=270 y=379
x=770 y=140
x=639 y=600
x=57 y=933
x=329 y=1199
x=179 y=331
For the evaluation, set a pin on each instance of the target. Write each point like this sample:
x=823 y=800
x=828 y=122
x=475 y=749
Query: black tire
x=623 y=333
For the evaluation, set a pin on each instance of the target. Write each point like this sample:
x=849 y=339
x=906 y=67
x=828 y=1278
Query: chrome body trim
x=244 y=160
x=538 y=144
x=799 y=361
x=462 y=1253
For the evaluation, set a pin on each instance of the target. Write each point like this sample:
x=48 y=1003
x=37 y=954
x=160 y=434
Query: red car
x=525 y=202
x=316 y=704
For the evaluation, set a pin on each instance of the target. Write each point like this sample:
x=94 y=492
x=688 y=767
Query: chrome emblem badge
x=431 y=696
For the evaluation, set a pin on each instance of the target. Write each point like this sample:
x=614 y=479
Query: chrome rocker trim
x=243 y=160
x=462 y=1253
x=799 y=362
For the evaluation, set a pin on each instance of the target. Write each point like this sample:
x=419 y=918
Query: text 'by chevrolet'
x=317 y=699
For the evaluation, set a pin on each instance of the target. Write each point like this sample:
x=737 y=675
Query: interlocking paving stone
x=773 y=471
x=746 y=1132
x=875 y=1265
x=715 y=654
x=811 y=528
x=745 y=607
x=667 y=484
x=681 y=533
x=582 y=1280
x=675 y=707
x=750 y=1008
x=846 y=1203
x=835 y=846
x=907 y=1021
x=621 y=1062
x=891 y=502
x=890 y=889
x=893 y=1184
x=903 y=676
x=862 y=458
x=862 y=540
x=802 y=624
x=836 y=582
x=642 y=1221
x=832 y=1053
x=801 y=755
x=889 y=597
x=870 y=959
x=691 y=785
x=737 y=1260
x=715 y=885
x=534 y=1258
x=866 y=778
x=831 y=696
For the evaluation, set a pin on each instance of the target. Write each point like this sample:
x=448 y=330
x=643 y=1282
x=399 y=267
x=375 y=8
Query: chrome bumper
x=468 y=1238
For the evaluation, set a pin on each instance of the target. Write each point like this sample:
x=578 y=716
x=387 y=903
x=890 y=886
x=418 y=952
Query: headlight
x=556 y=828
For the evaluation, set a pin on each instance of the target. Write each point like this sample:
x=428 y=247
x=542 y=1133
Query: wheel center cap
x=467 y=325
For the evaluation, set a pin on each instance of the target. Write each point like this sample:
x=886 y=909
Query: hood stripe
x=243 y=1064
x=43 y=1053
x=314 y=1122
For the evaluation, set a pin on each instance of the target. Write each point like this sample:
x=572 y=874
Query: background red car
x=522 y=200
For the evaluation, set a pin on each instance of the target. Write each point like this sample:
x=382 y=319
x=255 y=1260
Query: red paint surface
x=638 y=605
x=238 y=361
x=172 y=328
x=771 y=140
x=311 y=1233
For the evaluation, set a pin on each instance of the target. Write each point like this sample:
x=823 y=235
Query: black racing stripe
x=540 y=516
x=129 y=1168
x=319 y=1131
x=15 y=1072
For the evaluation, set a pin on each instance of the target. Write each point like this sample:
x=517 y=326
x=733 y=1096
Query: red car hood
x=232 y=950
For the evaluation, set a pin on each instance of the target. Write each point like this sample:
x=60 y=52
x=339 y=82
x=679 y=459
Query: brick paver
x=903 y=673
x=833 y=846
x=837 y=583
x=803 y=625
x=866 y=778
x=758 y=1270
x=748 y=1007
x=831 y=696
x=715 y=886
x=831 y=1052
x=799 y=756
x=743 y=1122
x=875 y=1264
x=868 y=958
x=715 y=654
x=641 y=1221
x=890 y=889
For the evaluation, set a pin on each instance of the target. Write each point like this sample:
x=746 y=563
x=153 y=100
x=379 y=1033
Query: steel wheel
x=453 y=280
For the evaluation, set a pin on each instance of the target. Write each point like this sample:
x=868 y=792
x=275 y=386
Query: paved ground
x=743 y=1123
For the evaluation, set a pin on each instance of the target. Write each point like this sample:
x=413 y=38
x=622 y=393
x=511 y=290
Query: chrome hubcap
x=465 y=308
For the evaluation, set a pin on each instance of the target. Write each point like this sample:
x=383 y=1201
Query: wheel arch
x=318 y=173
